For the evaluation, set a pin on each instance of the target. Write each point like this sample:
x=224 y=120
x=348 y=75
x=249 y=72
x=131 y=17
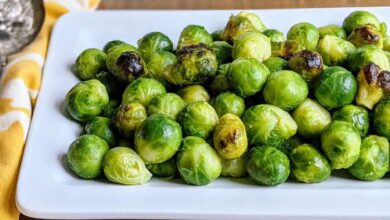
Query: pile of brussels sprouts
x=241 y=101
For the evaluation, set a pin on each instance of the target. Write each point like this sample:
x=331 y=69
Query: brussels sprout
x=311 y=118
x=122 y=165
x=308 y=165
x=308 y=64
x=229 y=102
x=102 y=127
x=158 y=138
x=85 y=156
x=154 y=42
x=246 y=76
x=193 y=35
x=167 y=169
x=252 y=45
x=197 y=162
x=368 y=54
x=289 y=48
x=86 y=100
x=335 y=87
x=268 y=125
x=217 y=35
x=333 y=30
x=289 y=144
x=373 y=160
x=386 y=44
x=234 y=168
x=194 y=93
x=223 y=51
x=381 y=120
x=142 y=90
x=305 y=34
x=198 y=119
x=128 y=117
x=285 y=89
x=334 y=50
x=89 y=63
x=229 y=138
x=360 y=18
x=277 y=39
x=159 y=64
x=110 y=108
x=366 y=35
x=268 y=166
x=111 y=44
x=275 y=64
x=194 y=65
x=356 y=115
x=340 y=142
x=113 y=86
x=168 y=104
x=373 y=83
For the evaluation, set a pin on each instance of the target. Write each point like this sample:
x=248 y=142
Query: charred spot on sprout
x=308 y=63
x=130 y=63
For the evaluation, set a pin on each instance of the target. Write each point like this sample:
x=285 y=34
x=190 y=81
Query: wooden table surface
x=232 y=4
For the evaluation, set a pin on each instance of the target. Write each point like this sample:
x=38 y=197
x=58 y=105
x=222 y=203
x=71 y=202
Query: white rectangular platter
x=46 y=189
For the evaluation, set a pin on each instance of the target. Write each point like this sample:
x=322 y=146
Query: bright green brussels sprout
x=217 y=35
x=128 y=117
x=289 y=48
x=386 y=44
x=194 y=65
x=159 y=64
x=360 y=18
x=154 y=42
x=220 y=82
x=229 y=102
x=158 y=138
x=193 y=35
x=285 y=89
x=142 y=90
x=275 y=64
x=122 y=165
x=333 y=30
x=373 y=162
x=168 y=104
x=334 y=50
x=366 y=35
x=110 y=108
x=102 y=127
x=89 y=63
x=229 y=138
x=167 y=169
x=194 y=93
x=113 y=86
x=223 y=51
x=197 y=162
x=368 y=54
x=381 y=120
x=340 y=142
x=268 y=125
x=268 y=166
x=85 y=156
x=235 y=167
x=308 y=165
x=305 y=34
x=308 y=64
x=277 y=39
x=86 y=100
x=252 y=45
x=335 y=87
x=111 y=44
x=311 y=118
x=198 y=119
x=246 y=76
x=356 y=115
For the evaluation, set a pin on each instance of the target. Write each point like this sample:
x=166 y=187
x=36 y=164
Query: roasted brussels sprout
x=335 y=87
x=154 y=42
x=340 y=142
x=142 y=90
x=333 y=30
x=159 y=64
x=217 y=35
x=194 y=93
x=268 y=125
x=246 y=76
x=85 y=156
x=252 y=45
x=373 y=160
x=197 y=162
x=356 y=115
x=110 y=108
x=334 y=50
x=277 y=39
x=86 y=100
x=89 y=63
x=289 y=48
x=122 y=165
x=386 y=43
x=168 y=104
x=311 y=118
x=194 y=35
x=167 y=169
x=268 y=166
x=102 y=127
x=360 y=18
x=285 y=89
x=223 y=51
x=158 y=138
x=113 y=86
x=198 y=119
x=235 y=167
x=308 y=165
x=308 y=64
x=366 y=35
x=111 y=44
x=128 y=117
x=368 y=54
x=381 y=120
x=305 y=34
x=220 y=82
x=275 y=64
x=229 y=102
